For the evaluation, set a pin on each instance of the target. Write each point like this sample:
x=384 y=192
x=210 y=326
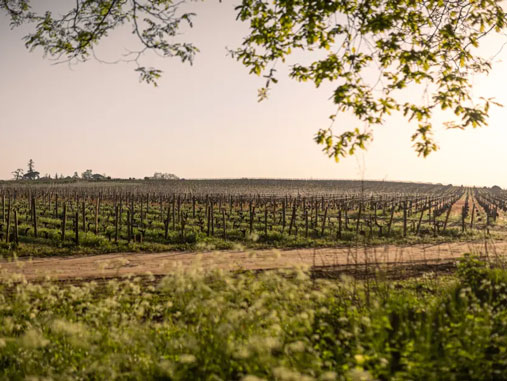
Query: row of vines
x=73 y=215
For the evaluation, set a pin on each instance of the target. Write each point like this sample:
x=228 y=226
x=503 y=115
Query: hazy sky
x=204 y=121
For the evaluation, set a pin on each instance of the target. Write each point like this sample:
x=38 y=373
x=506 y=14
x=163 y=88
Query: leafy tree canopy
x=427 y=43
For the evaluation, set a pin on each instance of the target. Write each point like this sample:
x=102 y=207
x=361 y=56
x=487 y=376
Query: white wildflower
x=328 y=376
x=358 y=374
x=252 y=378
x=33 y=339
x=297 y=346
x=187 y=359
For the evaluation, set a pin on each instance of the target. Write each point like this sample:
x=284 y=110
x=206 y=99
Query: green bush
x=280 y=325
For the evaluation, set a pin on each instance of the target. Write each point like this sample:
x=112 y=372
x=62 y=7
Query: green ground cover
x=282 y=325
x=90 y=243
x=63 y=219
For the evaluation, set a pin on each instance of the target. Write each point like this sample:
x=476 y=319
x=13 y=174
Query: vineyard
x=202 y=325
x=412 y=312
x=156 y=216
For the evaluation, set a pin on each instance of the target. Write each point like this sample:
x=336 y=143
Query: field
x=45 y=219
x=251 y=280
x=289 y=325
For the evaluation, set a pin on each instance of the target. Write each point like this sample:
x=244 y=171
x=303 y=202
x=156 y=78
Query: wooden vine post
x=359 y=216
x=208 y=216
x=284 y=202
x=293 y=218
x=34 y=217
x=252 y=213
x=306 y=222
x=183 y=221
x=76 y=227
x=8 y=222
x=266 y=220
x=212 y=218
x=129 y=232
x=224 y=222
x=174 y=212
x=56 y=206
x=166 y=223
x=405 y=219
x=64 y=220
x=447 y=217
x=390 y=223
x=83 y=209
x=339 y=231
x=116 y=218
x=420 y=221
x=97 y=209
x=324 y=222
x=16 y=234
x=3 y=208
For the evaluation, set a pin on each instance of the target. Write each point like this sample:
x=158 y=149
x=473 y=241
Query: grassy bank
x=95 y=244
x=273 y=325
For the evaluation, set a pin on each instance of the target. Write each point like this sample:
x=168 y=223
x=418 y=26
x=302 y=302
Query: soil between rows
x=124 y=264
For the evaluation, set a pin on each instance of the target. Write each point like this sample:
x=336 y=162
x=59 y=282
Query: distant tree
x=56 y=176
x=162 y=176
x=18 y=174
x=32 y=174
x=75 y=175
x=370 y=50
x=98 y=176
x=30 y=166
x=87 y=175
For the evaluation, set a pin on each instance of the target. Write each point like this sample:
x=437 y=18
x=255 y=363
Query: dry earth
x=122 y=264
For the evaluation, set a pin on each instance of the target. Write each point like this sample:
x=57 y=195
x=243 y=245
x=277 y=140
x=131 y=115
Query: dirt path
x=458 y=205
x=121 y=264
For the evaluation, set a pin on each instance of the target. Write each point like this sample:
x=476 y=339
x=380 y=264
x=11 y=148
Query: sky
x=204 y=121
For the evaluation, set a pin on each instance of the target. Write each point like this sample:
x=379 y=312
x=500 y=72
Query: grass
x=279 y=325
x=89 y=243
x=186 y=230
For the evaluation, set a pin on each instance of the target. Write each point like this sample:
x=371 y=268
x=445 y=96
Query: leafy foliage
x=276 y=325
x=427 y=43
x=371 y=49
x=74 y=35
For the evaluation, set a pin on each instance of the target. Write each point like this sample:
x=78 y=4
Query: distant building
x=162 y=176
x=98 y=177
x=33 y=175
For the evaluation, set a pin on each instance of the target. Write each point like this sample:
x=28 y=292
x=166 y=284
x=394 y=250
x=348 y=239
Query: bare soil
x=389 y=257
x=458 y=205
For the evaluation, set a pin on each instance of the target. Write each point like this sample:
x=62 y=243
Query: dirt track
x=120 y=264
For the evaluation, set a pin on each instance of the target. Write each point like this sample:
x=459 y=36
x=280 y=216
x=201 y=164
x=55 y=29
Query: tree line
x=89 y=175
x=32 y=175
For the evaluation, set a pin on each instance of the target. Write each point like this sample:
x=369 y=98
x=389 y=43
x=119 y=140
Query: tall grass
x=279 y=325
